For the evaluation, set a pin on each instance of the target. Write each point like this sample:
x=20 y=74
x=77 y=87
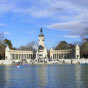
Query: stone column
x=63 y=55
x=53 y=56
x=57 y=56
x=11 y=56
x=14 y=56
x=19 y=56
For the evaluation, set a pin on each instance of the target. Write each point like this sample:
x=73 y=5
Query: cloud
x=68 y=36
x=74 y=27
x=3 y=24
x=75 y=24
x=71 y=36
x=6 y=33
x=39 y=8
x=70 y=15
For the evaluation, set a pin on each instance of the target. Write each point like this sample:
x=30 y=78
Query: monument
x=41 y=53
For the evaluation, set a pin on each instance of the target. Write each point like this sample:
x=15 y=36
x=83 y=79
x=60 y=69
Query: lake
x=44 y=76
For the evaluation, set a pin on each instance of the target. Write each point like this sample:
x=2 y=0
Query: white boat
x=18 y=66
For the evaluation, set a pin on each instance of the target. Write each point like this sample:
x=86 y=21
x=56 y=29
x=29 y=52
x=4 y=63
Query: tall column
x=57 y=56
x=66 y=55
x=11 y=56
x=14 y=56
x=19 y=56
x=63 y=55
x=26 y=56
x=53 y=56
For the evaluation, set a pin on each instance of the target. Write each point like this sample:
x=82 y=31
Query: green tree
x=84 y=49
x=2 y=51
x=84 y=45
x=8 y=43
x=63 y=45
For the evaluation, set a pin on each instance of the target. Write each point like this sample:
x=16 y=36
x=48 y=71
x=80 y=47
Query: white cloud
x=48 y=7
x=73 y=13
x=39 y=8
x=6 y=33
x=3 y=24
x=68 y=36
x=72 y=36
x=74 y=27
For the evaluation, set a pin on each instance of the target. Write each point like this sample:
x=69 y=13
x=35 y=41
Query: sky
x=61 y=20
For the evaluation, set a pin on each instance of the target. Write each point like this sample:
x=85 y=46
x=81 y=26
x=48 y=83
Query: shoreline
x=60 y=61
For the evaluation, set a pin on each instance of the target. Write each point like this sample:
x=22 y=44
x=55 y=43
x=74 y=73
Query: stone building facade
x=41 y=53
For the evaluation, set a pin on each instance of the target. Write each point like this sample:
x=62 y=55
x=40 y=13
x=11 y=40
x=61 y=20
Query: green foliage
x=63 y=45
x=8 y=43
x=2 y=51
x=84 y=49
x=3 y=44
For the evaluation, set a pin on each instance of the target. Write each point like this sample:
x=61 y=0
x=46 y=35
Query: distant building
x=41 y=53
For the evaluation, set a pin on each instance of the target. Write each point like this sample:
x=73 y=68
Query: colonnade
x=22 y=56
x=61 y=56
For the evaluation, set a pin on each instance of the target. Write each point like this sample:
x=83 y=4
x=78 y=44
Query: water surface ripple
x=44 y=76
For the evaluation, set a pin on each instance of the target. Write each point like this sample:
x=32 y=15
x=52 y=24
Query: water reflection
x=44 y=76
x=41 y=72
x=62 y=76
x=78 y=76
x=2 y=77
x=84 y=75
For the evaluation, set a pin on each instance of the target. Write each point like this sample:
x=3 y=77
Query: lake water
x=44 y=76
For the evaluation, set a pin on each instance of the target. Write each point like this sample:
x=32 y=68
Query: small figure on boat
x=18 y=65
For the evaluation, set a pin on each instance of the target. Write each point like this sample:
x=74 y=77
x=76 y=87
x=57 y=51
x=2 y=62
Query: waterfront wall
x=60 y=61
x=6 y=62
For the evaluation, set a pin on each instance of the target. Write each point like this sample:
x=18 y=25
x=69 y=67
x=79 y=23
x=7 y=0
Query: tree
x=84 y=49
x=8 y=43
x=2 y=47
x=84 y=35
x=3 y=44
x=63 y=45
x=84 y=45
x=30 y=46
x=2 y=51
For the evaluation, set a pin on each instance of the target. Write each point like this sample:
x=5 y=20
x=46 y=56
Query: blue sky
x=21 y=20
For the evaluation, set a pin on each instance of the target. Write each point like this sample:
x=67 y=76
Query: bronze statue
x=41 y=31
